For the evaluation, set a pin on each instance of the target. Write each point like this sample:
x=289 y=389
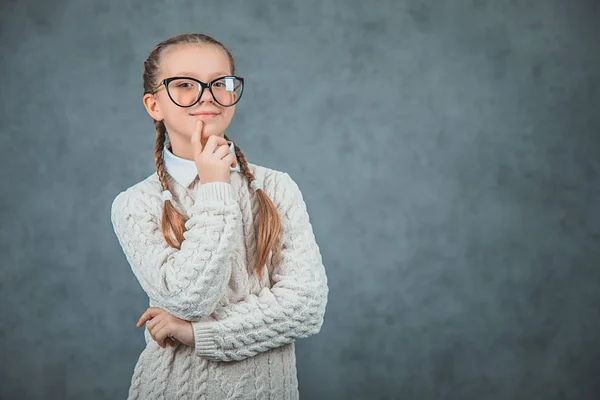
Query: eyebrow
x=186 y=73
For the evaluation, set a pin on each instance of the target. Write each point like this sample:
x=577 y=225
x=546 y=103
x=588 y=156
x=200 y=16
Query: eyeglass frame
x=203 y=85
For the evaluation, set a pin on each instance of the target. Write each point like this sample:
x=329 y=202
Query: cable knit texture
x=244 y=326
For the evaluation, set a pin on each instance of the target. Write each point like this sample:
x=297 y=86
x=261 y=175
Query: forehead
x=199 y=61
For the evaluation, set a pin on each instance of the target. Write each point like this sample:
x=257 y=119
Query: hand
x=214 y=160
x=167 y=329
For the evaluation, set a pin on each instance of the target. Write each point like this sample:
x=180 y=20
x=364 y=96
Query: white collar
x=185 y=171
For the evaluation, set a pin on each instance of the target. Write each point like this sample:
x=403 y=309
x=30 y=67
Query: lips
x=205 y=115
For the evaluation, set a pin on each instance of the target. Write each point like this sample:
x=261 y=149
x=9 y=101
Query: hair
x=269 y=229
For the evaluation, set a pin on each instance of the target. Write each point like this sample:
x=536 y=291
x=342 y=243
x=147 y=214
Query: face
x=203 y=62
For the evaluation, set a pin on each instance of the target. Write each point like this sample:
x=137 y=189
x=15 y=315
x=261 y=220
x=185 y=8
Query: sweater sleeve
x=188 y=282
x=291 y=309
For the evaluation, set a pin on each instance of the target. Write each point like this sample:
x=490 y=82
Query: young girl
x=223 y=247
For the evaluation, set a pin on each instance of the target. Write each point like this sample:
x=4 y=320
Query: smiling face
x=204 y=62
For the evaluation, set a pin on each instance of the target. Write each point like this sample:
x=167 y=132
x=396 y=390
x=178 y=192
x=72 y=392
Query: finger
x=230 y=158
x=147 y=315
x=155 y=338
x=153 y=322
x=161 y=335
x=212 y=143
x=196 y=136
x=222 y=151
x=156 y=327
x=170 y=342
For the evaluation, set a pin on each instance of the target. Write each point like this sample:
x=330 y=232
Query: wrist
x=216 y=190
x=188 y=337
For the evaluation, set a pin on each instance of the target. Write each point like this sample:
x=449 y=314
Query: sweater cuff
x=211 y=191
x=204 y=339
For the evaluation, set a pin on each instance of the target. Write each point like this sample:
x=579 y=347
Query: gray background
x=448 y=153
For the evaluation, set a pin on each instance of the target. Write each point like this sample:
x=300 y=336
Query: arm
x=293 y=308
x=189 y=282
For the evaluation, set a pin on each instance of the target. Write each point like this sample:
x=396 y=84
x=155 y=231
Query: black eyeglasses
x=185 y=91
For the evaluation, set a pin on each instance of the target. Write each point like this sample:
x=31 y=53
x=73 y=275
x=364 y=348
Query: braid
x=244 y=169
x=269 y=233
x=172 y=221
x=158 y=153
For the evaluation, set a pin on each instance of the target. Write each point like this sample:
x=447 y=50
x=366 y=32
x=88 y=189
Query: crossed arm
x=189 y=283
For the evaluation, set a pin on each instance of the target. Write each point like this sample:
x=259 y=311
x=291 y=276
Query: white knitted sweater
x=244 y=328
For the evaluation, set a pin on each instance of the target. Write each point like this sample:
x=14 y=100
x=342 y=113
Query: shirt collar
x=185 y=171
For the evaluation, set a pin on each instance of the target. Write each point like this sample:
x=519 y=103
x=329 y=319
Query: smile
x=204 y=116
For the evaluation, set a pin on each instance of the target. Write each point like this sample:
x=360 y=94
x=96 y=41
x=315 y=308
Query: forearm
x=275 y=317
x=291 y=309
x=190 y=281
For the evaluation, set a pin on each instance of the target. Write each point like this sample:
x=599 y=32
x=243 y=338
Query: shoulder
x=270 y=178
x=278 y=185
x=143 y=195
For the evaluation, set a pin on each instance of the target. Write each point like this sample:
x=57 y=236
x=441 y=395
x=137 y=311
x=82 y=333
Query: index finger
x=196 y=136
x=147 y=315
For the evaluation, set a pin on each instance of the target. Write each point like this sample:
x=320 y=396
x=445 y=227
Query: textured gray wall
x=448 y=153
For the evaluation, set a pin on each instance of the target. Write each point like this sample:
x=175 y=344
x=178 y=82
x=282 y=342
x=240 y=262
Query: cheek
x=170 y=110
x=228 y=115
x=178 y=119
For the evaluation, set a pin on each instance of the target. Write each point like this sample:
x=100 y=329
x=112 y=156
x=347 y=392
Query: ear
x=151 y=105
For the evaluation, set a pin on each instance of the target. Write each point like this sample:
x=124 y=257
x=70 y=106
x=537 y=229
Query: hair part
x=269 y=229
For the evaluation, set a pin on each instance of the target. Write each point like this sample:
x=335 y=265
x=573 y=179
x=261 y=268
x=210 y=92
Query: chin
x=212 y=131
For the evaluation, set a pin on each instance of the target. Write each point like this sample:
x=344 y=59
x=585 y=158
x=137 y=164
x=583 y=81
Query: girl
x=223 y=248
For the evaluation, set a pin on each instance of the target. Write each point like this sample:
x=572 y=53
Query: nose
x=206 y=95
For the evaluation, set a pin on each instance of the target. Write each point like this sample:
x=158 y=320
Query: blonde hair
x=269 y=228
